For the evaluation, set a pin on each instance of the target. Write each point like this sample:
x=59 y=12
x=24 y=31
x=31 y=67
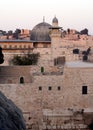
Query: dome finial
x=43 y=18
x=55 y=21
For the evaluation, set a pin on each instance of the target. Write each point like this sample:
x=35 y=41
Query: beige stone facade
x=61 y=96
x=50 y=96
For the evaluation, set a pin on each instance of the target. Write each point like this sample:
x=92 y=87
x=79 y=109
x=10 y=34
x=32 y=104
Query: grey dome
x=55 y=20
x=41 y=32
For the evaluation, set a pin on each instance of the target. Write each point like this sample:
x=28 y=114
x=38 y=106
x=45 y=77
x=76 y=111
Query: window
x=5 y=46
x=29 y=46
x=40 y=88
x=15 y=46
x=58 y=88
x=84 y=89
x=45 y=46
x=85 y=58
x=10 y=46
x=21 y=80
x=24 y=46
x=49 y=88
x=42 y=69
x=20 y=46
x=76 y=51
x=59 y=60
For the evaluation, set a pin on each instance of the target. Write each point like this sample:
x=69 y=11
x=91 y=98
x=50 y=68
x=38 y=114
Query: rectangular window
x=49 y=88
x=45 y=45
x=10 y=46
x=40 y=88
x=5 y=46
x=84 y=89
x=58 y=88
x=59 y=60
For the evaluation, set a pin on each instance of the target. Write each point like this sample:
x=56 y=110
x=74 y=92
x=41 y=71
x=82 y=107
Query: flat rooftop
x=78 y=64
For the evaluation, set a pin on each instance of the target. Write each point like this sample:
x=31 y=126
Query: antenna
x=43 y=18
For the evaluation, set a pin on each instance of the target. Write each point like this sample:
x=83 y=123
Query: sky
x=25 y=14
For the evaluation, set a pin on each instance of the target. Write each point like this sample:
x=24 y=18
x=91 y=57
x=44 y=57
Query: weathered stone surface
x=11 y=117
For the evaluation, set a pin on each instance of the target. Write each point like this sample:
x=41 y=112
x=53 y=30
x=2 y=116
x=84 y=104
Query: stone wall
x=12 y=74
x=49 y=92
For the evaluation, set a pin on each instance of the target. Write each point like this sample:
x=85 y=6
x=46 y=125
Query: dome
x=40 y=33
x=55 y=20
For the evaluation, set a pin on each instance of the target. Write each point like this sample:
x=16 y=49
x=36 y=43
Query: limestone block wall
x=74 y=79
x=12 y=74
x=45 y=56
x=55 y=90
x=31 y=100
x=44 y=59
x=50 y=92
x=59 y=47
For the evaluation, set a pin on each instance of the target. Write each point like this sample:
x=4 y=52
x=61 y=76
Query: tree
x=27 y=59
x=1 y=56
x=68 y=30
x=10 y=32
x=3 y=32
x=84 y=31
x=16 y=33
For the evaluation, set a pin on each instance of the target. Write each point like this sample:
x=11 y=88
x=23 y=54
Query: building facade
x=60 y=96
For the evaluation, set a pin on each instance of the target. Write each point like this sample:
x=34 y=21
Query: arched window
x=21 y=80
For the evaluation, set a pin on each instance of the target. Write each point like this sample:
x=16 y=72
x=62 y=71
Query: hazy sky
x=74 y=14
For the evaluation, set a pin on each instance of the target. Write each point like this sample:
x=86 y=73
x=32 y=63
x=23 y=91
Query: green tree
x=84 y=31
x=26 y=59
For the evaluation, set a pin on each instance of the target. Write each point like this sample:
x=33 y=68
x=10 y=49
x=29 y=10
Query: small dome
x=55 y=20
x=40 y=33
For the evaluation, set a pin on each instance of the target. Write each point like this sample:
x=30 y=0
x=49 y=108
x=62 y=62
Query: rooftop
x=79 y=64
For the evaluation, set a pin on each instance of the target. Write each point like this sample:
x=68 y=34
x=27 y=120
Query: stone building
x=60 y=97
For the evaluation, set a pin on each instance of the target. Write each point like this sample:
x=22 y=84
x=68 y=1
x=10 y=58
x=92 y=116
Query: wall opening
x=21 y=80
x=84 y=89
x=42 y=69
x=40 y=88
x=59 y=60
x=49 y=88
x=59 y=88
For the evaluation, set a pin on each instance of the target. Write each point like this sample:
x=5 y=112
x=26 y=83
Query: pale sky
x=25 y=14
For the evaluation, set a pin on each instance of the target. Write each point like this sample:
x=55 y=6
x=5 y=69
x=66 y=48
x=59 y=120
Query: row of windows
x=84 y=89
x=19 y=46
x=43 y=45
x=23 y=46
x=49 y=88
